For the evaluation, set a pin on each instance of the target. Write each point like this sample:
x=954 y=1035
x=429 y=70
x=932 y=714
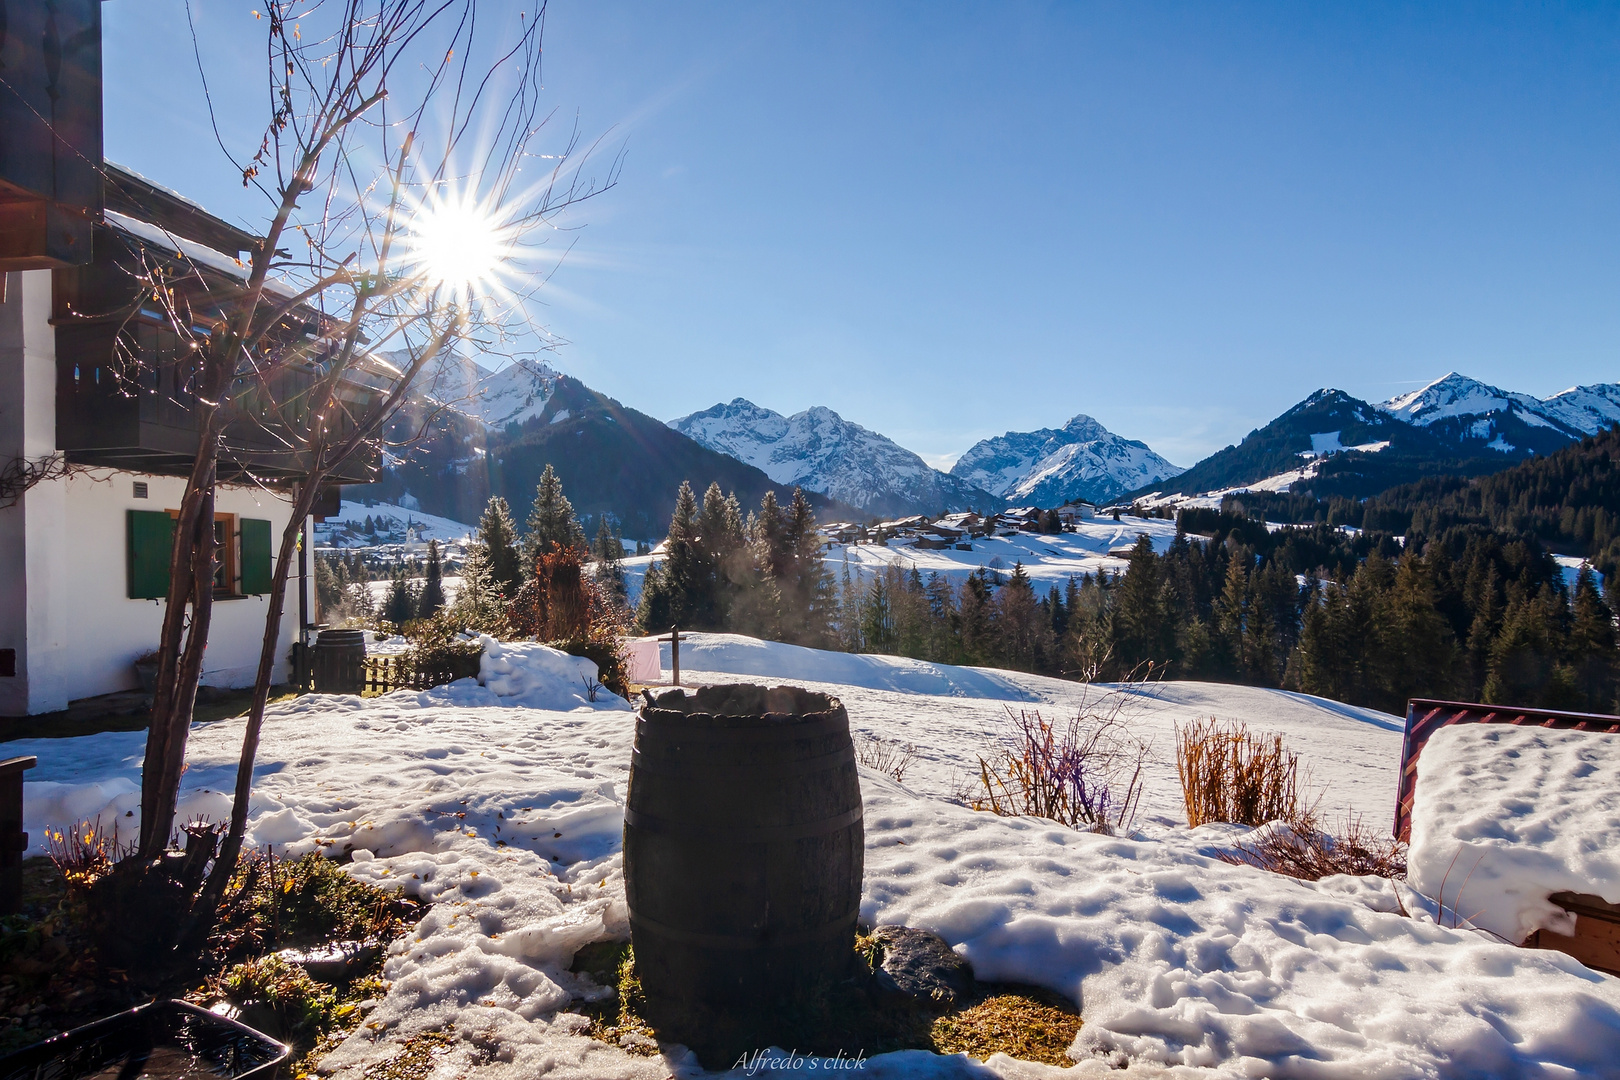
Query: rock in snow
x=509 y=819
x=1081 y=460
x=820 y=451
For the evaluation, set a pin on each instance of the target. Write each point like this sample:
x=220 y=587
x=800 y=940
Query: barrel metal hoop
x=642 y=762
x=741 y=941
x=769 y=834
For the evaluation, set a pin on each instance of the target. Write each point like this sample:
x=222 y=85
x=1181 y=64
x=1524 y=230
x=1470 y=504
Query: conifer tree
x=1416 y=652
x=1521 y=657
x=497 y=536
x=808 y=597
x=877 y=617
x=329 y=583
x=682 y=593
x=432 y=595
x=479 y=604
x=1142 y=630
x=1232 y=629
x=551 y=521
x=975 y=618
x=1023 y=636
x=359 y=601
x=608 y=551
x=1592 y=646
x=400 y=606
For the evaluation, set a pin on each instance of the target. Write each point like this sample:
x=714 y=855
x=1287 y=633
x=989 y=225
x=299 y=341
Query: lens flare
x=459 y=244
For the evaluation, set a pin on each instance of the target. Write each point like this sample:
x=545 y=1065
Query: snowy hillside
x=1465 y=411
x=819 y=450
x=389 y=524
x=1081 y=460
x=509 y=395
x=1588 y=409
x=1049 y=560
x=504 y=810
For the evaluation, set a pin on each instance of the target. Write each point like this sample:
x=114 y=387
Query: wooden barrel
x=339 y=662
x=743 y=852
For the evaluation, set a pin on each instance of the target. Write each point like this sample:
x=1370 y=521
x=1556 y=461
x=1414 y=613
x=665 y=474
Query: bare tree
x=400 y=171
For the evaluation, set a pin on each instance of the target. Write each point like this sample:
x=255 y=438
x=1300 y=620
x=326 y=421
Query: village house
x=97 y=435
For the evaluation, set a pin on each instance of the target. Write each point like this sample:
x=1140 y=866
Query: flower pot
x=146 y=675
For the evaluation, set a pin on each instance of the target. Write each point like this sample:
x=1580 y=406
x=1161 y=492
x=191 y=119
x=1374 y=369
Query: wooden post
x=13 y=841
x=674 y=640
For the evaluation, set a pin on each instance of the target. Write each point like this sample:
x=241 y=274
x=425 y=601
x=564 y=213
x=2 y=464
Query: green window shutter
x=255 y=555
x=150 y=535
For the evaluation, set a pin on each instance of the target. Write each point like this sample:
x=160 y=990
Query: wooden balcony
x=146 y=423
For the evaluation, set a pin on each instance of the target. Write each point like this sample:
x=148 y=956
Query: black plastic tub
x=163 y=1040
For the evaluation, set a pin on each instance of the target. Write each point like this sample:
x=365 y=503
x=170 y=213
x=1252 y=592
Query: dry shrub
x=1300 y=851
x=1086 y=774
x=564 y=607
x=85 y=852
x=885 y=755
x=1231 y=774
x=556 y=603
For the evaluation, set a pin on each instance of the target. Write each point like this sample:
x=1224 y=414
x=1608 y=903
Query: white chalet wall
x=64 y=606
x=106 y=630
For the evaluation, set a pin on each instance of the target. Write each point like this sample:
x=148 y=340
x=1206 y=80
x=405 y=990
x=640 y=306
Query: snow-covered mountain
x=508 y=395
x=1453 y=426
x=1080 y=460
x=1472 y=414
x=819 y=450
x=1587 y=408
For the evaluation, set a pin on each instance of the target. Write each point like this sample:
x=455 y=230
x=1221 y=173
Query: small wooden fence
x=382 y=674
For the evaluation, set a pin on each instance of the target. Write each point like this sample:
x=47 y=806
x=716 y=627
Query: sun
x=459 y=244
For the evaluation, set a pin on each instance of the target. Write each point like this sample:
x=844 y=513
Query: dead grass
x=1085 y=773
x=1231 y=774
x=616 y=1020
x=1310 y=854
x=1024 y=1022
x=417 y=1057
x=885 y=755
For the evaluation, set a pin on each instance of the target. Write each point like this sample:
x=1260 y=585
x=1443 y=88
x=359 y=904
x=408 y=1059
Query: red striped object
x=1425 y=717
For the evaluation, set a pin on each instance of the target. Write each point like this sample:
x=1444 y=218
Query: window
x=243 y=554
x=225 y=555
x=140 y=489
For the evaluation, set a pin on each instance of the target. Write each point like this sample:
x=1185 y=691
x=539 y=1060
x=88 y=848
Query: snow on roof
x=169 y=191
x=191 y=249
x=1505 y=816
x=198 y=253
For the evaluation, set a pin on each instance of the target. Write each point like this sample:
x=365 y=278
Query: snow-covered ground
x=343 y=528
x=508 y=819
x=1049 y=560
x=951 y=715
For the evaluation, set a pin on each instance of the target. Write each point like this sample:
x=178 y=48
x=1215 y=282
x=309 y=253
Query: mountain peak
x=819 y=450
x=1085 y=429
x=1452 y=394
x=1081 y=460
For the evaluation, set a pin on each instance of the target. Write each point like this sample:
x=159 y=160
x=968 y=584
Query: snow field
x=952 y=716
x=508 y=820
x=1505 y=816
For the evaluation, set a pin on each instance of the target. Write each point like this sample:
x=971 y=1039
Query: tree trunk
x=225 y=861
x=191 y=581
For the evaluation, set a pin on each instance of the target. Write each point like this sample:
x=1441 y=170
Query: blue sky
x=948 y=221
